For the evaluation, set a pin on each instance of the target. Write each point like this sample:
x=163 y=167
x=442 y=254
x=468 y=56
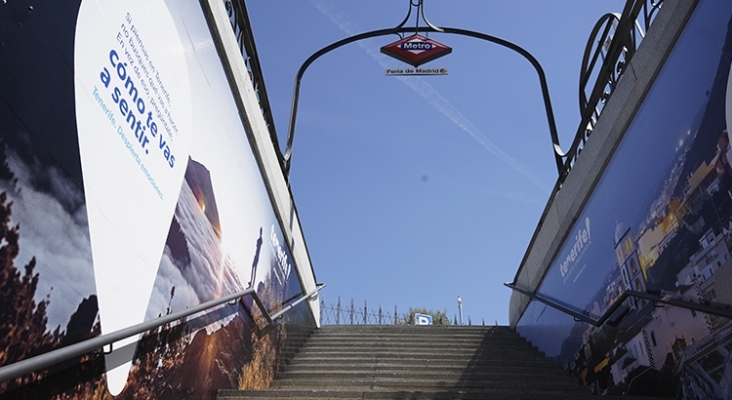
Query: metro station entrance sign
x=416 y=50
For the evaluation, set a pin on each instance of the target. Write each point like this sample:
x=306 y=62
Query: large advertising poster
x=129 y=190
x=658 y=221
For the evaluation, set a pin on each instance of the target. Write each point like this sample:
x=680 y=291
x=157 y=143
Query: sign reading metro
x=416 y=50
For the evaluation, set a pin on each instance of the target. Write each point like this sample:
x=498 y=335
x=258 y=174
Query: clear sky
x=414 y=191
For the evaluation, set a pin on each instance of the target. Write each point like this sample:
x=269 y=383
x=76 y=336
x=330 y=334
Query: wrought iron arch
x=429 y=27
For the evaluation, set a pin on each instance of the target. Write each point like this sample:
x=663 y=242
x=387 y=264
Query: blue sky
x=412 y=192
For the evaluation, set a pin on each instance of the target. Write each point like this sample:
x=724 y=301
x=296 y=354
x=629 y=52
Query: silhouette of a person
x=256 y=260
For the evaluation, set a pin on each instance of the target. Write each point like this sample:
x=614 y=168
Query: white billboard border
x=264 y=152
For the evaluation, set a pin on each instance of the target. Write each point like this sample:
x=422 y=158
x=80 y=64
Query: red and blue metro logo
x=416 y=50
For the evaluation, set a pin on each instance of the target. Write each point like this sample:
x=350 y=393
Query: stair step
x=415 y=358
x=434 y=334
x=465 y=353
x=515 y=370
x=426 y=342
x=404 y=395
x=408 y=362
x=453 y=373
x=417 y=383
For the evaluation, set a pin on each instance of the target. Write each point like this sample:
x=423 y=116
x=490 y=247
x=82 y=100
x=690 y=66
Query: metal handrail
x=285 y=309
x=56 y=356
x=727 y=313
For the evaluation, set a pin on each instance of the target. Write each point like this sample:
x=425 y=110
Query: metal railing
x=344 y=314
x=618 y=303
x=612 y=43
x=56 y=356
x=335 y=314
x=239 y=18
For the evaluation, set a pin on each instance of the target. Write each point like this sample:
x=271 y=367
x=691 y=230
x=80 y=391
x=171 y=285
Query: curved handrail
x=619 y=301
x=56 y=356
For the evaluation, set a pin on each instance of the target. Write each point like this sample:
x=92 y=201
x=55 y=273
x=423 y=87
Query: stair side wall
x=645 y=208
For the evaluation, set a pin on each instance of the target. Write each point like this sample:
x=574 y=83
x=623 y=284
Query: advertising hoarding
x=658 y=221
x=130 y=190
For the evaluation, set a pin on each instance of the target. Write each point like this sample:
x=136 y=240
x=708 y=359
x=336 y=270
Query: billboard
x=129 y=190
x=660 y=221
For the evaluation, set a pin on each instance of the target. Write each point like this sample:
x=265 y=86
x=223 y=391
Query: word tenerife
x=581 y=240
x=142 y=123
x=280 y=253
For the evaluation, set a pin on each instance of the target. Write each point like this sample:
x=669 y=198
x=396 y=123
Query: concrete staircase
x=418 y=362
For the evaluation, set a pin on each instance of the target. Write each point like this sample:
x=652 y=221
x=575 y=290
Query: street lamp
x=460 y=310
x=400 y=29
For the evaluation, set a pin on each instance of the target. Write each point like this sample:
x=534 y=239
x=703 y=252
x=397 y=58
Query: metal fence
x=338 y=314
x=239 y=17
x=612 y=44
x=352 y=314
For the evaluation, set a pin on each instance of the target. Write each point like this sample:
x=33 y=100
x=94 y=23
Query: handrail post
x=322 y=307
x=338 y=312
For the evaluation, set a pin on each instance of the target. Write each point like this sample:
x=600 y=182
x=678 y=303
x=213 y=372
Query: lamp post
x=400 y=29
x=460 y=310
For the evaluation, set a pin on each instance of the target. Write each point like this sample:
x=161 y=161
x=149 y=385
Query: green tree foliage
x=438 y=317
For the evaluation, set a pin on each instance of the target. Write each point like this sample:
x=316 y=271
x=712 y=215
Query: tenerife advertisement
x=129 y=190
x=659 y=221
